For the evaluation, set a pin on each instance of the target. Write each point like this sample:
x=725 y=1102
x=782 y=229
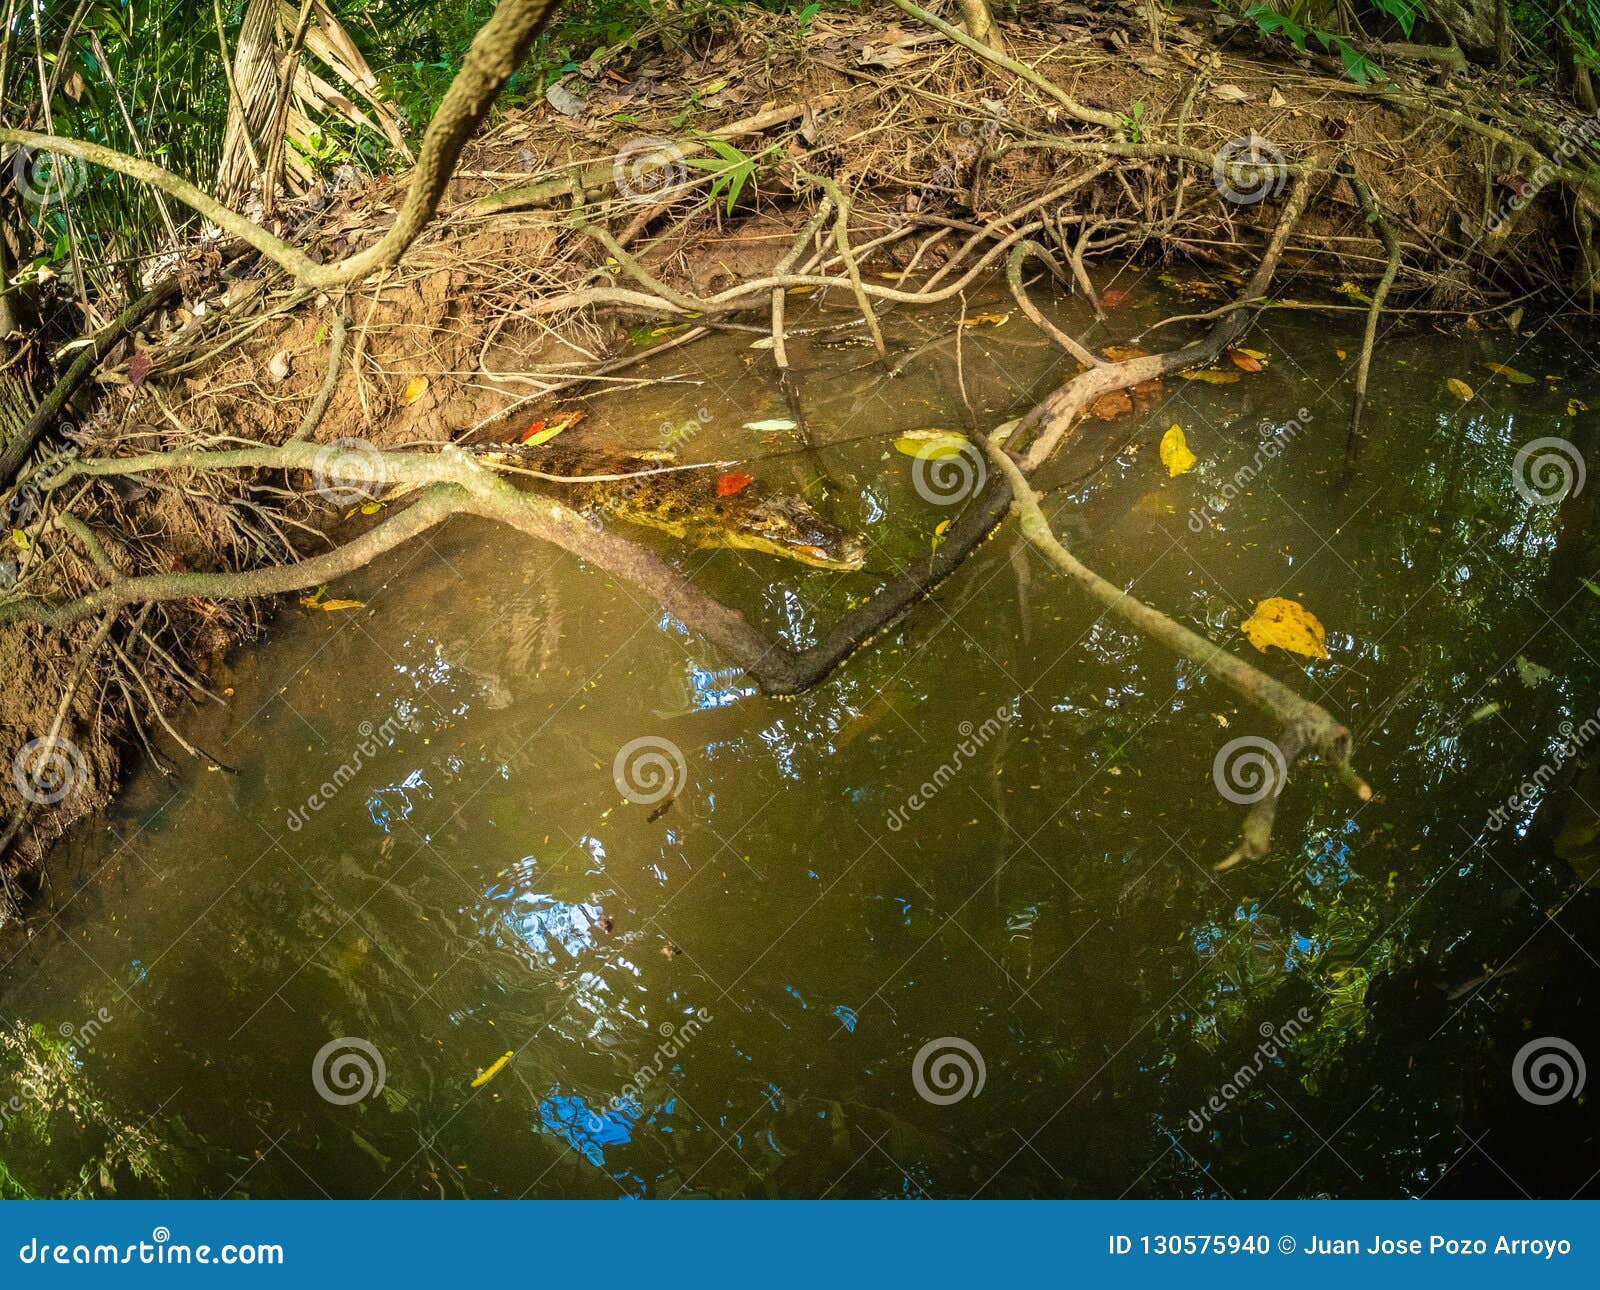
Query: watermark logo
x=1249 y=770
x=946 y=478
x=1547 y=1070
x=674 y=1039
x=348 y=1069
x=1249 y=169
x=373 y=741
x=23 y=506
x=647 y=168
x=1274 y=1040
x=1274 y=440
x=1524 y=190
x=48 y=769
x=947 y=1070
x=672 y=437
x=347 y=471
x=972 y=739
x=1525 y=794
x=47 y=178
x=1547 y=471
x=649 y=769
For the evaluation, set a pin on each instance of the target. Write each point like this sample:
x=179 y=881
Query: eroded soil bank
x=513 y=307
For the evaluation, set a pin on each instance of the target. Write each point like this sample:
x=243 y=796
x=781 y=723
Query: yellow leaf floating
x=1353 y=292
x=1175 y=454
x=315 y=601
x=484 y=1076
x=1210 y=375
x=1460 y=389
x=1575 y=406
x=930 y=445
x=986 y=320
x=416 y=387
x=1510 y=373
x=1287 y=624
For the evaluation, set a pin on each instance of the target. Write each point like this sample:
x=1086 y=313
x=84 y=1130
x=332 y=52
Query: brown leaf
x=1146 y=394
x=1108 y=407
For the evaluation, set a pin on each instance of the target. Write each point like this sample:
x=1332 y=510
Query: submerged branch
x=1305 y=725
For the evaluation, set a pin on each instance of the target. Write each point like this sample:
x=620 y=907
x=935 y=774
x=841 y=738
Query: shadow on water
x=948 y=925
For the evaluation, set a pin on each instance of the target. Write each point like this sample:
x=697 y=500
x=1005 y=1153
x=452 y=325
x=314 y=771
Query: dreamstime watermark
x=26 y=503
x=1273 y=440
x=1547 y=1070
x=45 y=178
x=78 y=1039
x=973 y=138
x=947 y=1070
x=675 y=1039
x=672 y=436
x=48 y=769
x=648 y=168
x=1547 y=471
x=1573 y=142
x=347 y=471
x=1249 y=769
x=348 y=1069
x=373 y=740
x=1274 y=1040
x=947 y=478
x=972 y=739
x=649 y=769
x=1525 y=794
x=1249 y=169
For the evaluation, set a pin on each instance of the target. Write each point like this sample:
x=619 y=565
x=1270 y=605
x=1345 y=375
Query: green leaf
x=1358 y=66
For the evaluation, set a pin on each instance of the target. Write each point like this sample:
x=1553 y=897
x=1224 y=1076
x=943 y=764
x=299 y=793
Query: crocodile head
x=786 y=525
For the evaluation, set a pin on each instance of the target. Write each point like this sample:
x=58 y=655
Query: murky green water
x=425 y=848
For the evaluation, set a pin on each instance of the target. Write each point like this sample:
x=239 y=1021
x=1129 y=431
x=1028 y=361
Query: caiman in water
x=685 y=502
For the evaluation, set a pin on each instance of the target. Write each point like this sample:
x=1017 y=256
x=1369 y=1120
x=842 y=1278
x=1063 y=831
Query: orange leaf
x=542 y=431
x=1113 y=297
x=734 y=481
x=1244 y=360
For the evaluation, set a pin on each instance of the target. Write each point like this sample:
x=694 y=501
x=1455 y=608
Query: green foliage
x=1331 y=23
x=732 y=168
x=1132 y=123
x=1298 y=22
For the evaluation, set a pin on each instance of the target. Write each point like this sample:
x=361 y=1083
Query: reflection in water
x=723 y=992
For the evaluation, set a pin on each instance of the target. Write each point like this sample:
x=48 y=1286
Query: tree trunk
x=16 y=395
x=979 y=22
x=245 y=141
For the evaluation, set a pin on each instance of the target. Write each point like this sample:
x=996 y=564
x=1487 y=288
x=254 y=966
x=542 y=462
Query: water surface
x=997 y=824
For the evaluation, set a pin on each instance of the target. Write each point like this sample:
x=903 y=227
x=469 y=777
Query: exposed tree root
x=45 y=416
x=1391 y=243
x=1305 y=726
x=986 y=198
